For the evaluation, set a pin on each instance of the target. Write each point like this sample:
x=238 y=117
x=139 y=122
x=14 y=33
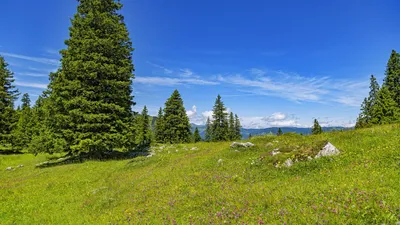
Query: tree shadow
x=11 y=152
x=96 y=156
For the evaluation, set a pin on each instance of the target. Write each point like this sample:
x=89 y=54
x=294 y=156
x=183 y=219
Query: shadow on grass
x=104 y=156
x=10 y=152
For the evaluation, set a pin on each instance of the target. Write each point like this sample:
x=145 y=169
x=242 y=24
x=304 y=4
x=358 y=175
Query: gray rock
x=328 y=150
x=9 y=168
x=288 y=162
x=194 y=149
x=242 y=145
x=19 y=166
x=275 y=152
x=309 y=158
x=220 y=161
x=149 y=156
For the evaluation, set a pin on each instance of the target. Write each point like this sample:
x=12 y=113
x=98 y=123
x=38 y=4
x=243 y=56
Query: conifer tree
x=238 y=127
x=279 y=133
x=26 y=101
x=366 y=115
x=385 y=109
x=232 y=128
x=8 y=94
x=316 y=129
x=250 y=136
x=22 y=131
x=143 y=134
x=92 y=91
x=220 y=130
x=177 y=126
x=392 y=79
x=196 y=136
x=159 y=128
x=208 y=133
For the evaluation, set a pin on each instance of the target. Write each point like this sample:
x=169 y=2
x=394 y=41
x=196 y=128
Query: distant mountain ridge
x=263 y=131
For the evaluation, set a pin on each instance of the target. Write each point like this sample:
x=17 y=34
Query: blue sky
x=275 y=63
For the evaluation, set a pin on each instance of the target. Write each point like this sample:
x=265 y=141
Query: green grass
x=183 y=186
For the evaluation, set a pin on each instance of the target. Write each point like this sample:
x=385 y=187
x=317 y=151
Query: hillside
x=209 y=183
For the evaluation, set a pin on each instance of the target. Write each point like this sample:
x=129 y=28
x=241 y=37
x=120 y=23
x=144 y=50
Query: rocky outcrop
x=328 y=150
x=242 y=145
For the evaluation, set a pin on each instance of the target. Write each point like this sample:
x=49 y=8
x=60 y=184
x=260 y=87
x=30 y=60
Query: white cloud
x=187 y=73
x=167 y=81
x=54 y=62
x=275 y=120
x=257 y=72
x=278 y=116
x=166 y=71
x=32 y=74
x=31 y=85
x=191 y=113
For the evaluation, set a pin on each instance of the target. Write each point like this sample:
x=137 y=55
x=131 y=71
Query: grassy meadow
x=209 y=183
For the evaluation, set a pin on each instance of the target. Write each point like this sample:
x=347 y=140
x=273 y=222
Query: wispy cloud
x=168 y=81
x=165 y=70
x=31 y=85
x=54 y=62
x=187 y=73
x=32 y=74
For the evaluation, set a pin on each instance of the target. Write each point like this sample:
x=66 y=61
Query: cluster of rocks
x=242 y=145
x=327 y=150
x=10 y=168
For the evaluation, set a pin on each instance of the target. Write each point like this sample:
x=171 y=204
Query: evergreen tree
x=22 y=131
x=177 y=126
x=220 y=130
x=143 y=134
x=159 y=128
x=232 y=128
x=8 y=94
x=385 y=109
x=26 y=101
x=365 y=117
x=208 y=133
x=316 y=129
x=238 y=134
x=392 y=79
x=196 y=136
x=92 y=91
x=279 y=133
x=250 y=136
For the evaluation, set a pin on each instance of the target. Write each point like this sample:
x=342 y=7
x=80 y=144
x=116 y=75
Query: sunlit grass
x=209 y=183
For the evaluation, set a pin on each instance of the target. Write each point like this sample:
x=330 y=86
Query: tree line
x=382 y=106
x=87 y=106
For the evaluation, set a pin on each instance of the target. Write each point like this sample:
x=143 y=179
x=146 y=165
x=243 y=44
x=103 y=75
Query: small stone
x=149 y=156
x=309 y=158
x=237 y=150
x=9 y=168
x=239 y=144
x=220 y=161
x=19 y=166
x=275 y=152
x=328 y=150
x=194 y=148
x=288 y=162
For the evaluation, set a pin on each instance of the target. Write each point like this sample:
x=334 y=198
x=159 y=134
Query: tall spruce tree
x=385 y=109
x=8 y=94
x=22 y=131
x=177 y=126
x=92 y=91
x=232 y=128
x=366 y=114
x=220 y=128
x=26 y=101
x=238 y=127
x=316 y=129
x=279 y=133
x=159 y=127
x=143 y=133
x=196 y=136
x=392 y=79
x=208 y=132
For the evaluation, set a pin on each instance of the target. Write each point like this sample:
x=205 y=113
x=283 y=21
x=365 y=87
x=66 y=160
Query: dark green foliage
x=250 y=136
x=159 y=127
x=232 y=129
x=208 y=132
x=366 y=115
x=196 y=136
x=92 y=91
x=26 y=101
x=316 y=129
x=8 y=94
x=279 y=133
x=177 y=126
x=392 y=79
x=143 y=133
x=219 y=126
x=238 y=135
x=385 y=109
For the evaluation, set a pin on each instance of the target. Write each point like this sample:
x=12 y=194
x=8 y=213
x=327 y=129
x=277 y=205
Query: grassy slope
x=180 y=185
